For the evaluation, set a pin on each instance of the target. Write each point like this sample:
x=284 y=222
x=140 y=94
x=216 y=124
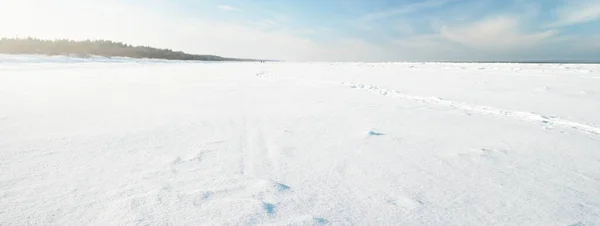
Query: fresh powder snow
x=119 y=141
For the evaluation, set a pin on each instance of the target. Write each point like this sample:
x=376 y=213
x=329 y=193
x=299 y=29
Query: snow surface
x=141 y=142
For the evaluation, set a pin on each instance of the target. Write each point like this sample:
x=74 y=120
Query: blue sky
x=326 y=30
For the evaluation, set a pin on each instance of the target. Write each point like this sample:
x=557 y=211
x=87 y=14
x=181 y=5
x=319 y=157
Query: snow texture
x=147 y=142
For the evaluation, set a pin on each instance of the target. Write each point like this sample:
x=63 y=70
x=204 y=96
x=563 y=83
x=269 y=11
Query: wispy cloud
x=265 y=23
x=268 y=22
x=577 y=12
x=405 y=28
x=229 y=8
x=403 y=10
x=495 y=33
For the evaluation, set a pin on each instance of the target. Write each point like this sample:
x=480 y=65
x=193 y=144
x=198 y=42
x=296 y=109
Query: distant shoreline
x=105 y=48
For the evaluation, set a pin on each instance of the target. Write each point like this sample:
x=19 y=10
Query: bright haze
x=332 y=30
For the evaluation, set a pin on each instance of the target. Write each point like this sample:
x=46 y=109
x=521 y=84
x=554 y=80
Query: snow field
x=154 y=143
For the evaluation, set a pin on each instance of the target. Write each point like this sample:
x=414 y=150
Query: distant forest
x=98 y=48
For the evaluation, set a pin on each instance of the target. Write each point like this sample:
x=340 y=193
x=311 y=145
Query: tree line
x=104 y=48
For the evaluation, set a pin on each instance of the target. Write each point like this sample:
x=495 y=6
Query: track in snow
x=520 y=115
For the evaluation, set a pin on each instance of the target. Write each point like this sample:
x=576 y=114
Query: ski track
x=260 y=162
x=259 y=168
x=520 y=115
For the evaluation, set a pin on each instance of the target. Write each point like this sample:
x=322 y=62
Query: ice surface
x=139 y=142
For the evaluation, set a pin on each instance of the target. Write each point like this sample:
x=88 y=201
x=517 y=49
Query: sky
x=325 y=30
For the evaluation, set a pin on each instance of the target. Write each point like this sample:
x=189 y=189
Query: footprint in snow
x=199 y=201
x=176 y=160
x=543 y=89
x=197 y=158
x=263 y=74
x=373 y=133
x=490 y=152
x=485 y=153
x=405 y=202
x=320 y=220
x=207 y=195
x=282 y=187
x=269 y=208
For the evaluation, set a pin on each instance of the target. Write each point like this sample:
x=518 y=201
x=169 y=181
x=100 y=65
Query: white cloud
x=428 y=47
x=406 y=9
x=404 y=28
x=268 y=23
x=429 y=41
x=229 y=8
x=496 y=34
x=281 y=18
x=577 y=12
